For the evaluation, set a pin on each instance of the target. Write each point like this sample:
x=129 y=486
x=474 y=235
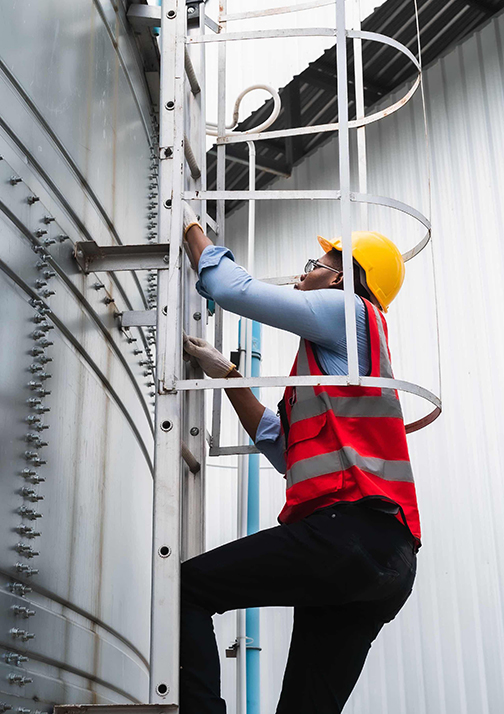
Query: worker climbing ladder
x=180 y=432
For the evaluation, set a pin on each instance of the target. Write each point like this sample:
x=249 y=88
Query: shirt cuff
x=270 y=441
x=209 y=258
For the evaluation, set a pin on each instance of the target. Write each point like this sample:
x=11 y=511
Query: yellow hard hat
x=379 y=258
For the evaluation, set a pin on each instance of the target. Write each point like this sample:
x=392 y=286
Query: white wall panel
x=444 y=653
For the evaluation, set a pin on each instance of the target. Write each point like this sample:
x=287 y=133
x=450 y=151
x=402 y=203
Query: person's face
x=321 y=277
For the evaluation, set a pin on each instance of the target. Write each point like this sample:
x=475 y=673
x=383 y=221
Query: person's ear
x=337 y=281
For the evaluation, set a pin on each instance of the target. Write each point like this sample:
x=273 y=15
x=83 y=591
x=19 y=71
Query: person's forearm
x=247 y=406
x=197 y=242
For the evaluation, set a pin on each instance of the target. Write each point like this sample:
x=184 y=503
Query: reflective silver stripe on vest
x=343 y=459
x=384 y=406
x=385 y=366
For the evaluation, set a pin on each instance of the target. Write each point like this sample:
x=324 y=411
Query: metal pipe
x=253 y=614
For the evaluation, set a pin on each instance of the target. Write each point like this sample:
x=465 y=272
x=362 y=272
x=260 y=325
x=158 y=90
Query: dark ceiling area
x=310 y=98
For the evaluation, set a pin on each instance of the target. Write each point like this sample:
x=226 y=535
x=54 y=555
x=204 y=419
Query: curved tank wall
x=76 y=429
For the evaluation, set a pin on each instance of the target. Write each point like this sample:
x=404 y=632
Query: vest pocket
x=306 y=429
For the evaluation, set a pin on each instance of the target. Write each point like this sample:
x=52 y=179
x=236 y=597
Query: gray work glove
x=189 y=218
x=212 y=362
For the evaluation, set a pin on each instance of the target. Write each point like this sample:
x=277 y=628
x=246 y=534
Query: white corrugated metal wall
x=445 y=651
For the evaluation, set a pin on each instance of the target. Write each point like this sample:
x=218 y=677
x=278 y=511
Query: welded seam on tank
x=73 y=166
x=115 y=45
x=66 y=332
x=22 y=228
x=79 y=611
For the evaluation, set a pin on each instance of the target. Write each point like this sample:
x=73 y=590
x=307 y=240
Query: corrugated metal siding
x=445 y=651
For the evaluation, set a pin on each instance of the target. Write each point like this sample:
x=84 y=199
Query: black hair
x=360 y=286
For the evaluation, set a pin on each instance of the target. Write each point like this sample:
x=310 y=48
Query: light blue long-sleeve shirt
x=316 y=315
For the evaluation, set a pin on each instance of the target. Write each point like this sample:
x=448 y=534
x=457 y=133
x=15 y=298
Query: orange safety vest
x=347 y=443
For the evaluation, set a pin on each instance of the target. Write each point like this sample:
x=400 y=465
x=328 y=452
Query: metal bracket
x=115 y=709
x=138 y=318
x=96 y=258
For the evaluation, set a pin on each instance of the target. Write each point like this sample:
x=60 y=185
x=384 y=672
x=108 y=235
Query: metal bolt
x=22 y=611
x=34 y=302
x=19 y=679
x=191 y=10
x=21 y=634
x=62 y=238
x=27 y=531
x=33 y=402
x=108 y=300
x=137 y=352
x=43 y=393
x=197 y=316
x=28 y=472
x=38 y=318
x=48 y=219
x=166 y=258
x=99 y=286
x=4 y=707
x=33 y=438
x=19 y=588
x=152 y=195
x=26 y=550
x=14 y=657
x=194 y=431
x=45 y=326
x=37 y=479
x=14 y=180
x=34 y=385
x=44 y=375
x=32 y=199
x=33 y=368
x=151 y=225
x=22 y=710
x=43 y=359
x=151 y=215
x=35 y=351
x=144 y=362
x=41 y=264
x=45 y=343
x=34 y=457
x=31 y=495
x=130 y=340
x=48 y=274
x=37 y=334
x=41 y=232
x=29 y=513
x=40 y=283
x=47 y=293
x=41 y=410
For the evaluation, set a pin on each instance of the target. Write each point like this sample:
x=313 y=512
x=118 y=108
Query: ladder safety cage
x=180 y=432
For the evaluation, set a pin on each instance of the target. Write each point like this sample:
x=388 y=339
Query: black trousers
x=347 y=569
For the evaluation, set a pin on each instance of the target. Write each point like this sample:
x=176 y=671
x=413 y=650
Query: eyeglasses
x=312 y=264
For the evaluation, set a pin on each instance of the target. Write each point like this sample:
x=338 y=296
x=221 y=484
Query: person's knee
x=193 y=589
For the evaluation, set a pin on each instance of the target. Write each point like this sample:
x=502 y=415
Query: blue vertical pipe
x=252 y=615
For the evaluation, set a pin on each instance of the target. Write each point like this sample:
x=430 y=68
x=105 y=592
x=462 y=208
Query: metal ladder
x=180 y=432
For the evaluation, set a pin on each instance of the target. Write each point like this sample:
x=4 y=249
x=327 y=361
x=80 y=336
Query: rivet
x=197 y=316
x=171 y=14
x=166 y=258
x=166 y=425
x=194 y=431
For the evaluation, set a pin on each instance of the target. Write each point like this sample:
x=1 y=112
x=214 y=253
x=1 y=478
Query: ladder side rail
x=193 y=487
x=221 y=208
x=165 y=606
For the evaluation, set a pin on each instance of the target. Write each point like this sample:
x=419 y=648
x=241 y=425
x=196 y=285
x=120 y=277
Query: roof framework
x=310 y=98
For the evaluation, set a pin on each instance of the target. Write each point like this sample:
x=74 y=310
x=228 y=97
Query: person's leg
x=333 y=557
x=326 y=656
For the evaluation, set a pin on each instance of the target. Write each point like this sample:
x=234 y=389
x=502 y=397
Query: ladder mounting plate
x=96 y=258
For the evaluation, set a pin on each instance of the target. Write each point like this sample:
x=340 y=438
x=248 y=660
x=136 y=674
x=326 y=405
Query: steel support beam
x=97 y=258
